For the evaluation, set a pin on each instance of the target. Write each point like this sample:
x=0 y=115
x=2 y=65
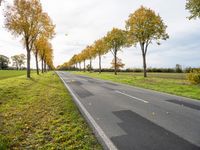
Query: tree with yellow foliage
x=115 y=40
x=100 y=48
x=84 y=57
x=144 y=27
x=44 y=47
x=49 y=59
x=38 y=46
x=91 y=54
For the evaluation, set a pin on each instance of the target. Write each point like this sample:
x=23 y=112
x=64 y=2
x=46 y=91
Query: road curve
x=131 y=118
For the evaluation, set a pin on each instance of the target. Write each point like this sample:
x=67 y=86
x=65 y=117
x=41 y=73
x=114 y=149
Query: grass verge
x=4 y=74
x=169 y=83
x=39 y=114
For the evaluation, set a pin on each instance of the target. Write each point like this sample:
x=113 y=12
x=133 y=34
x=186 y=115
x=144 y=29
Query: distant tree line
x=18 y=62
x=156 y=70
x=4 y=61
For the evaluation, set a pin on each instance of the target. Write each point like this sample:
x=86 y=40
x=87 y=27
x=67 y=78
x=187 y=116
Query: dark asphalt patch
x=76 y=83
x=79 y=90
x=109 y=83
x=143 y=134
x=186 y=104
x=84 y=77
x=93 y=81
x=107 y=88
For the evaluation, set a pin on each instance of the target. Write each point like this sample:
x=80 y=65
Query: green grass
x=4 y=74
x=172 y=83
x=39 y=114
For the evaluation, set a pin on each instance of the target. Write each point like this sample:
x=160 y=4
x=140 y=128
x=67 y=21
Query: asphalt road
x=132 y=118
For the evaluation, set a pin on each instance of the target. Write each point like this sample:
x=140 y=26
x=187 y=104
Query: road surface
x=130 y=118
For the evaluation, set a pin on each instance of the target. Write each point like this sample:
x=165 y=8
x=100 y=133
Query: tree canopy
x=194 y=8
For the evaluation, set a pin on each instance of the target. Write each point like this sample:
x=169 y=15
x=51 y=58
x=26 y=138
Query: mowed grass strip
x=172 y=83
x=4 y=74
x=39 y=114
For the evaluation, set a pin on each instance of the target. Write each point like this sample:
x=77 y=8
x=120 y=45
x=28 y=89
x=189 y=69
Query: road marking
x=109 y=144
x=132 y=97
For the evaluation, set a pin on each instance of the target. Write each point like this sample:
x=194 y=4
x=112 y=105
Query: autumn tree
x=118 y=65
x=49 y=60
x=46 y=33
x=40 y=48
x=144 y=27
x=37 y=46
x=193 y=6
x=79 y=60
x=115 y=40
x=26 y=19
x=45 y=47
x=91 y=54
x=73 y=61
x=100 y=48
x=84 y=57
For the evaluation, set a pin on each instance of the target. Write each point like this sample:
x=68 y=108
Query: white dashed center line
x=132 y=97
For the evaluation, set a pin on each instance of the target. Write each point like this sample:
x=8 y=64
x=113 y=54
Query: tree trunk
x=84 y=65
x=90 y=65
x=115 y=57
x=36 y=60
x=28 y=64
x=144 y=65
x=45 y=66
x=99 y=63
x=80 y=66
x=28 y=58
x=144 y=59
x=42 y=65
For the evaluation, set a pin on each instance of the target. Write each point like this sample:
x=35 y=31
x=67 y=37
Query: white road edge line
x=132 y=96
x=98 y=129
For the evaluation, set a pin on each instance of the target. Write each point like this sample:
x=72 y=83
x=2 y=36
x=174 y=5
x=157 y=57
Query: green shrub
x=194 y=76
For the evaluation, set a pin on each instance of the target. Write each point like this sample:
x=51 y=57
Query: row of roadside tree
x=27 y=20
x=143 y=27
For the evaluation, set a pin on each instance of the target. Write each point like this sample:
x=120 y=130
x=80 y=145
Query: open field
x=39 y=114
x=173 y=83
x=4 y=74
x=157 y=75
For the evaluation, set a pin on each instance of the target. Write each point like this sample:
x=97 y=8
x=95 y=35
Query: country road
x=130 y=118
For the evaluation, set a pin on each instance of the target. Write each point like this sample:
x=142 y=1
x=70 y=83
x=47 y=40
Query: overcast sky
x=85 y=21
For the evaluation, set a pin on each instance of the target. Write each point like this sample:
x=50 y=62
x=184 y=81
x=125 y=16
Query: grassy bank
x=39 y=114
x=172 y=83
